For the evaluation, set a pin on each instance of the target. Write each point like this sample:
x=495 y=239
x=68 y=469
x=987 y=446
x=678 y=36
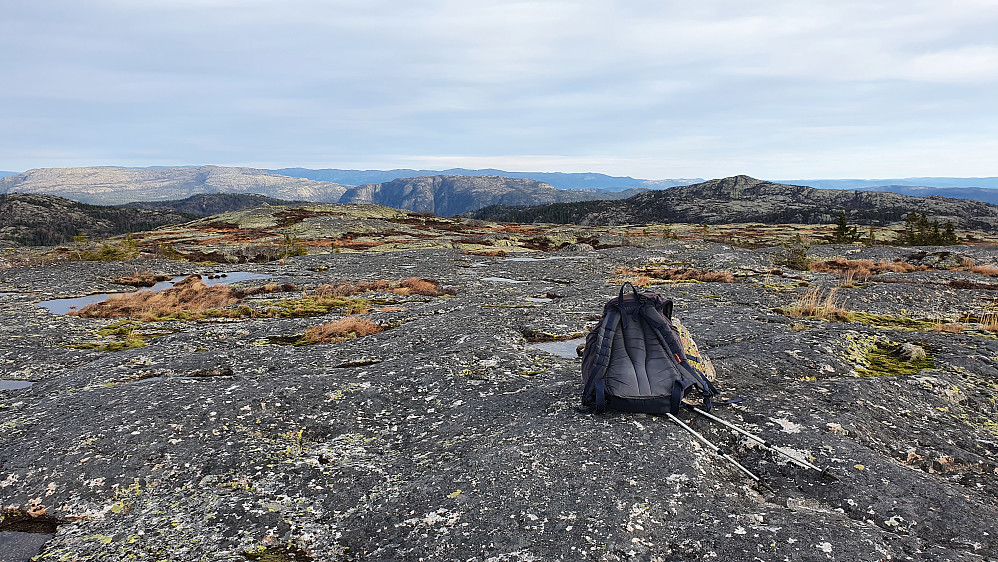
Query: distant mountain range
x=741 y=199
x=112 y=185
x=444 y=195
x=936 y=182
x=559 y=180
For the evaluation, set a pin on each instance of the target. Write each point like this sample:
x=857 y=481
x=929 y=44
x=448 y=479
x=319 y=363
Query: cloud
x=614 y=84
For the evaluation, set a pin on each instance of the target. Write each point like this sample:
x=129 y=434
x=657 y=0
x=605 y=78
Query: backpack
x=637 y=360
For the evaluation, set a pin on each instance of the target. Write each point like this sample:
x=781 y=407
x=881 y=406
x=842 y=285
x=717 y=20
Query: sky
x=651 y=89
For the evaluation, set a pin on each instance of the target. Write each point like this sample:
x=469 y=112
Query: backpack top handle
x=633 y=290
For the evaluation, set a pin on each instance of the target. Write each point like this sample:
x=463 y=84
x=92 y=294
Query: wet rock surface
x=449 y=436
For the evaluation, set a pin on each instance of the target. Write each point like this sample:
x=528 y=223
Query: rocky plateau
x=453 y=435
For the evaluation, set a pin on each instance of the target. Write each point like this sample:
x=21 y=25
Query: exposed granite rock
x=446 y=437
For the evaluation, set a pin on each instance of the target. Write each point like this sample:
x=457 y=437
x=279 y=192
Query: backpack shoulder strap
x=596 y=383
x=669 y=339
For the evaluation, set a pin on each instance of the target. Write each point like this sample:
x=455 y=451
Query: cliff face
x=450 y=195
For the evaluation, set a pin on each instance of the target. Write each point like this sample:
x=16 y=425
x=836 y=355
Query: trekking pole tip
x=827 y=474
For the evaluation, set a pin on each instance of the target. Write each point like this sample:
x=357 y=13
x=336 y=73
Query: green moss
x=876 y=356
x=127 y=334
x=891 y=322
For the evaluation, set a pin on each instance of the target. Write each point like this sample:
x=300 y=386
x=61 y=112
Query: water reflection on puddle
x=16 y=546
x=564 y=348
x=550 y=258
x=14 y=385
x=502 y=280
x=64 y=306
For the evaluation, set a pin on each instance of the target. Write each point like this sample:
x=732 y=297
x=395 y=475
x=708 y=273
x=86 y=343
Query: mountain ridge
x=739 y=199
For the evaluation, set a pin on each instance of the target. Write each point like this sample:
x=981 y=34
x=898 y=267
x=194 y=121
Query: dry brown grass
x=815 y=303
x=948 y=328
x=410 y=286
x=861 y=270
x=342 y=330
x=989 y=270
x=187 y=299
x=649 y=275
x=188 y=295
x=142 y=279
x=989 y=320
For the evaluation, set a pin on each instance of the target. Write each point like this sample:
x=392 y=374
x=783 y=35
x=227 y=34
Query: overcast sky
x=652 y=89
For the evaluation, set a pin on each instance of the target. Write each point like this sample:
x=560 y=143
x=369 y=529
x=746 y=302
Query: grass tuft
x=341 y=330
x=815 y=303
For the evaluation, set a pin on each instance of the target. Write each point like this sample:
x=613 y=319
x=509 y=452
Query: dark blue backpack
x=634 y=359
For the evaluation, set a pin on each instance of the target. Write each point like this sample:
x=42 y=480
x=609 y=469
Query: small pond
x=14 y=385
x=550 y=258
x=64 y=306
x=502 y=280
x=563 y=348
x=16 y=546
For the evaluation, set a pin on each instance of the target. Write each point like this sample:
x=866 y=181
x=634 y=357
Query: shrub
x=341 y=330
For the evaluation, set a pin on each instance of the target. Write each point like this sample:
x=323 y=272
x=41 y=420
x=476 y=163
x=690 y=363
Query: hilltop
x=112 y=185
x=207 y=204
x=46 y=220
x=742 y=199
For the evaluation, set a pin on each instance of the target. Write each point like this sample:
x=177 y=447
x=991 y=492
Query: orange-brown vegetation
x=862 y=270
x=341 y=330
x=651 y=275
x=489 y=252
x=189 y=295
x=989 y=270
x=142 y=279
x=187 y=299
x=410 y=286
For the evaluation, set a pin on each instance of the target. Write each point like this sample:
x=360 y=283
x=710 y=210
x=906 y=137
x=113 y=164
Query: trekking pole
x=713 y=447
x=757 y=439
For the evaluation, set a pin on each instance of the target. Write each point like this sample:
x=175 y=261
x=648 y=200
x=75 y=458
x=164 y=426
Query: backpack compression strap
x=604 y=341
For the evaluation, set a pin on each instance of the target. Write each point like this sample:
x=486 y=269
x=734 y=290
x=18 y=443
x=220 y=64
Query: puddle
x=7 y=294
x=16 y=546
x=64 y=306
x=407 y=266
x=564 y=348
x=502 y=280
x=549 y=259
x=147 y=380
x=14 y=385
x=539 y=299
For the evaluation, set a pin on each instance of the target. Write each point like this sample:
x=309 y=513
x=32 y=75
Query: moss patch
x=876 y=356
x=277 y=554
x=123 y=335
